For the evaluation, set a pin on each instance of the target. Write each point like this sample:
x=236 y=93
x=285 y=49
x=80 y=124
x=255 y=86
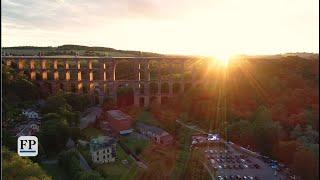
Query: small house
x=30 y=114
x=157 y=134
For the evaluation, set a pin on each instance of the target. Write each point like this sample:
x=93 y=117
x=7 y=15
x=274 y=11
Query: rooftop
x=101 y=142
x=93 y=113
x=118 y=115
x=153 y=129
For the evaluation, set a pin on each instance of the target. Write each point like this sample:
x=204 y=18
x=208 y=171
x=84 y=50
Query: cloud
x=52 y=15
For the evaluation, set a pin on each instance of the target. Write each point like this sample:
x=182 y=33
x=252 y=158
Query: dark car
x=257 y=166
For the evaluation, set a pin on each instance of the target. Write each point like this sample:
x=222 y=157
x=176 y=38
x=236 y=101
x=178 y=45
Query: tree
x=93 y=175
x=16 y=167
x=70 y=161
x=77 y=102
x=55 y=104
x=8 y=140
x=286 y=151
x=54 y=134
x=309 y=171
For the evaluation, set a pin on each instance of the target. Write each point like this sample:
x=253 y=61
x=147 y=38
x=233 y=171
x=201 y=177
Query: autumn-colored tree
x=309 y=170
x=16 y=167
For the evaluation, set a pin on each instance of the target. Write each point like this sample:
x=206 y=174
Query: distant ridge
x=70 y=49
x=303 y=55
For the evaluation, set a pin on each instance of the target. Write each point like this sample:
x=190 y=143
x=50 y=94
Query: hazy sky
x=208 y=27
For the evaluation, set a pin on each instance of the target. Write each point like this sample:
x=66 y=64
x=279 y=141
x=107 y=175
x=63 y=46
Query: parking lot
x=227 y=162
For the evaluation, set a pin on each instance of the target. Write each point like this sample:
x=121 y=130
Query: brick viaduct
x=98 y=75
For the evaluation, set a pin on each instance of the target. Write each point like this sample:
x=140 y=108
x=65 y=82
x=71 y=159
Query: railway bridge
x=151 y=78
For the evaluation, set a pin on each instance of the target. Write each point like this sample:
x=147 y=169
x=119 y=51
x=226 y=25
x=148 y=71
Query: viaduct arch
x=85 y=74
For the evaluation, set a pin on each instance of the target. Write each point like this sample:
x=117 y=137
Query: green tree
x=16 y=167
x=77 y=102
x=54 y=134
x=8 y=140
x=93 y=175
x=55 y=104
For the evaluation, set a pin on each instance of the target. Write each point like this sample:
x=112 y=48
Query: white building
x=103 y=149
x=30 y=114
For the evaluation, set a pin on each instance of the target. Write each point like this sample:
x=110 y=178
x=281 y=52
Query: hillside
x=72 y=50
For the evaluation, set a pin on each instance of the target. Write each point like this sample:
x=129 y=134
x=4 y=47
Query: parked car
x=220 y=177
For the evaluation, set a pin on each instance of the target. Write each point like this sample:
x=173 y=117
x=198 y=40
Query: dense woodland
x=268 y=105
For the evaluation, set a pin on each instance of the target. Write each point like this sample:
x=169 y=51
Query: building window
x=97 y=152
x=97 y=158
x=104 y=157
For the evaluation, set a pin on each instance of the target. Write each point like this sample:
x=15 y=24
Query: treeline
x=70 y=162
x=267 y=105
x=16 y=167
x=73 y=50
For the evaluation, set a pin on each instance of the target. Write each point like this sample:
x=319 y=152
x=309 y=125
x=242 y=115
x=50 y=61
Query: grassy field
x=55 y=171
x=117 y=170
x=147 y=118
x=90 y=132
x=184 y=152
x=135 y=144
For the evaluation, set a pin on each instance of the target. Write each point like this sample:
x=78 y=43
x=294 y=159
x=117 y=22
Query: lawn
x=147 y=118
x=184 y=152
x=55 y=171
x=134 y=144
x=117 y=170
x=90 y=132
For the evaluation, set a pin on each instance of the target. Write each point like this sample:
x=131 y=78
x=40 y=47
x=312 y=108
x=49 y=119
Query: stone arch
x=96 y=94
x=165 y=88
x=62 y=87
x=125 y=94
x=38 y=75
x=85 y=89
x=141 y=88
x=47 y=87
x=73 y=88
x=124 y=70
x=153 y=99
x=106 y=89
x=141 y=101
x=153 y=88
x=187 y=87
x=176 y=87
x=164 y=100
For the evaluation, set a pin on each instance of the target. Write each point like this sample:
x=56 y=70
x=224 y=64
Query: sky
x=197 y=27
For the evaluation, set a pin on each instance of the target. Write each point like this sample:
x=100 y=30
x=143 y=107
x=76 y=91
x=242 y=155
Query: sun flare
x=221 y=59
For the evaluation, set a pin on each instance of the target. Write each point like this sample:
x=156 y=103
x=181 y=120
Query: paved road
x=191 y=126
x=84 y=163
